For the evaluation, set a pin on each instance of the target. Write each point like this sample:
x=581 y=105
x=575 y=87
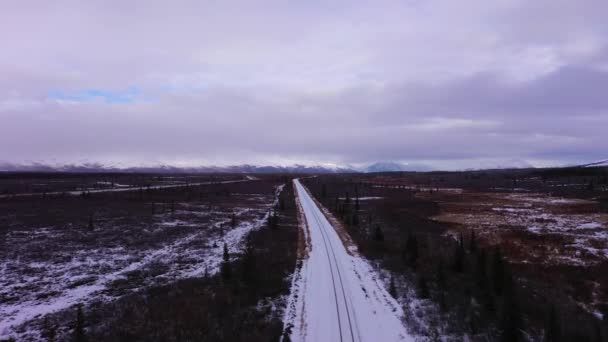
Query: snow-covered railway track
x=337 y=296
x=344 y=304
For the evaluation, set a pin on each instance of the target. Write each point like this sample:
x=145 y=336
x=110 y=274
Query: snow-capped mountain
x=394 y=167
x=245 y=168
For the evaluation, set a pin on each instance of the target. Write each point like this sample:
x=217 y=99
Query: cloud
x=450 y=83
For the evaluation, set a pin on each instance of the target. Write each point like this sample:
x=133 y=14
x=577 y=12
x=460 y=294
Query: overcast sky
x=452 y=84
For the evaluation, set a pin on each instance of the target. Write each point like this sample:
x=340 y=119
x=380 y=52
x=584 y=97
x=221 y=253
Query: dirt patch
x=304 y=243
x=573 y=231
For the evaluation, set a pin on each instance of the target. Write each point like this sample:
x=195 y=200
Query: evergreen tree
x=441 y=285
x=275 y=220
x=378 y=234
x=441 y=280
x=552 y=327
x=79 y=333
x=473 y=243
x=233 y=221
x=423 y=287
x=355 y=219
x=392 y=289
x=91 y=224
x=249 y=266
x=357 y=203
x=480 y=273
x=459 y=253
x=226 y=268
x=510 y=318
x=49 y=330
x=269 y=220
x=498 y=273
x=411 y=250
x=347 y=199
x=323 y=190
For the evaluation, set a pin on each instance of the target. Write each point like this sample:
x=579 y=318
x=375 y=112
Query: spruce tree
x=498 y=273
x=423 y=287
x=510 y=318
x=226 y=269
x=392 y=289
x=91 y=224
x=275 y=220
x=249 y=266
x=441 y=285
x=378 y=234
x=49 y=330
x=79 y=334
x=411 y=250
x=552 y=327
x=459 y=253
x=441 y=280
x=269 y=220
x=473 y=243
x=480 y=272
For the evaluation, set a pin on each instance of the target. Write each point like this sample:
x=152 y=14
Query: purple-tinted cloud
x=454 y=84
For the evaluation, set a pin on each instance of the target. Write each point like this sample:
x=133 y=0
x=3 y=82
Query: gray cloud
x=463 y=84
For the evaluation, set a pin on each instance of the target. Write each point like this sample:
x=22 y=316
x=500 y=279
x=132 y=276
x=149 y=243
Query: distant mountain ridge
x=389 y=166
x=245 y=168
x=601 y=163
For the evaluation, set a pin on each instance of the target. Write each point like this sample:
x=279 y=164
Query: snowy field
x=573 y=231
x=46 y=269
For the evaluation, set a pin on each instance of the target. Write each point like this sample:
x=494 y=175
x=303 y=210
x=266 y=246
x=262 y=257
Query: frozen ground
x=46 y=269
x=115 y=187
x=336 y=295
x=574 y=232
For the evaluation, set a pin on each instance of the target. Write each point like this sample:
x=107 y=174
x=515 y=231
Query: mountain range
x=244 y=168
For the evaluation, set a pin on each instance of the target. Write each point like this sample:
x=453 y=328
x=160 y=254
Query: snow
x=590 y=225
x=121 y=188
x=103 y=266
x=337 y=296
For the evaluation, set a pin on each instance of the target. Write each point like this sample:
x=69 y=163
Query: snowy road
x=337 y=296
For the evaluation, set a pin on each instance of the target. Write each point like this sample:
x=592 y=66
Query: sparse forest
x=472 y=278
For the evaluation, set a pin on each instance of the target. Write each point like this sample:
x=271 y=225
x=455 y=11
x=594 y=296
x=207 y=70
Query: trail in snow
x=337 y=296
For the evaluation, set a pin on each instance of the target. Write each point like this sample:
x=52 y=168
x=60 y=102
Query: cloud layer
x=452 y=84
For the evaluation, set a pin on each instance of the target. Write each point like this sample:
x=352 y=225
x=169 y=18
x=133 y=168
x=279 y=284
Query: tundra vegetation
x=509 y=255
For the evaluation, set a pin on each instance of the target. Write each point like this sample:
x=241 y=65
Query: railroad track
x=347 y=326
